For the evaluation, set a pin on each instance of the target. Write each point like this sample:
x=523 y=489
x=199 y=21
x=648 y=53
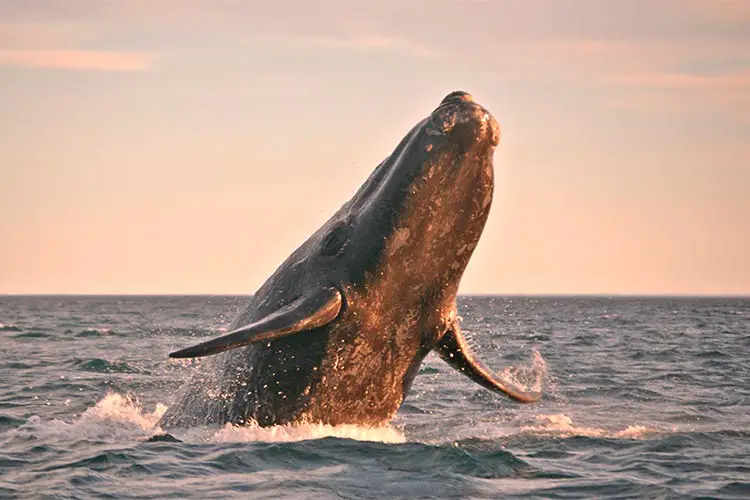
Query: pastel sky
x=182 y=146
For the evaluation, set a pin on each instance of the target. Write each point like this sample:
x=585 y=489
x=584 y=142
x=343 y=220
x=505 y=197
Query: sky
x=182 y=146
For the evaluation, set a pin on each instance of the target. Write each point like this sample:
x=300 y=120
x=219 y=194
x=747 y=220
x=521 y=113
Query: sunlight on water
x=562 y=425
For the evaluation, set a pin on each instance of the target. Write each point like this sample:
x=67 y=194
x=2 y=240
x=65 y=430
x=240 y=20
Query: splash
x=562 y=425
x=123 y=410
x=529 y=377
x=302 y=432
x=116 y=417
x=122 y=415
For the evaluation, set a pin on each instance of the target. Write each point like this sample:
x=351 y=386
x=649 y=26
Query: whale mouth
x=460 y=118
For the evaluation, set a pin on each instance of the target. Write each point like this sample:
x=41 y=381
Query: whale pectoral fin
x=305 y=313
x=454 y=349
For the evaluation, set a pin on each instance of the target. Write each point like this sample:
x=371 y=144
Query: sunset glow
x=189 y=147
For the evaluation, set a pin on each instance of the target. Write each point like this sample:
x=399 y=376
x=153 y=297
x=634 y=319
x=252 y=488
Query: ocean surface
x=643 y=398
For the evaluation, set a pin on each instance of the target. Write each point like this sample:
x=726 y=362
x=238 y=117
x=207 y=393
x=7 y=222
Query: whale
x=337 y=334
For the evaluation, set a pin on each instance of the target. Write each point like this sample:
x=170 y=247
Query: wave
x=34 y=334
x=10 y=328
x=6 y=421
x=99 y=365
x=96 y=332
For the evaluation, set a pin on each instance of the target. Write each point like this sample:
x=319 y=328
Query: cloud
x=91 y=60
x=65 y=45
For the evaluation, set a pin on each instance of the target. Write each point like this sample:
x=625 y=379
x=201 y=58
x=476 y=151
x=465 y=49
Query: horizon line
x=480 y=294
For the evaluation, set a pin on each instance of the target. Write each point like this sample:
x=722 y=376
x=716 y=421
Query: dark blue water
x=644 y=398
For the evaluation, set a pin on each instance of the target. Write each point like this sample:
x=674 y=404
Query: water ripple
x=643 y=398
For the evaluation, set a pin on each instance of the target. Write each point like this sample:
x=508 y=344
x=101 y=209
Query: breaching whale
x=337 y=334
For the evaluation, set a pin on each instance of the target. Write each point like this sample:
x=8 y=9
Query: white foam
x=116 y=416
x=122 y=417
x=301 y=432
x=122 y=409
x=562 y=425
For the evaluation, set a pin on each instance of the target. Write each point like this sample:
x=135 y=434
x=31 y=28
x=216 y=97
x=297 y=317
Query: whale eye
x=335 y=241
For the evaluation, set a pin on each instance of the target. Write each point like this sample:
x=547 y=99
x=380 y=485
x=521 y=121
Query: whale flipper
x=454 y=349
x=304 y=313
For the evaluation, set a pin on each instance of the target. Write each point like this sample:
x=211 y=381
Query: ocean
x=643 y=398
